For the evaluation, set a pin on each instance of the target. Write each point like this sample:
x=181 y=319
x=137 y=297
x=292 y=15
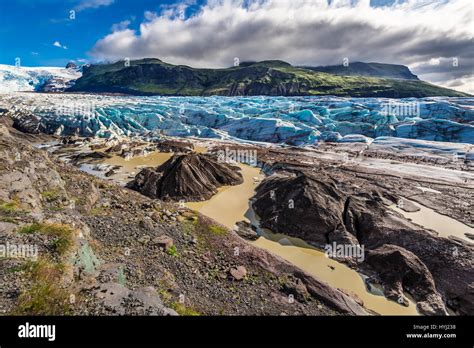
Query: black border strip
x=136 y=331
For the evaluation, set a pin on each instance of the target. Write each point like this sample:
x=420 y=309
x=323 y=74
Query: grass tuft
x=217 y=230
x=45 y=296
x=63 y=235
x=9 y=207
x=173 y=251
x=181 y=309
x=51 y=195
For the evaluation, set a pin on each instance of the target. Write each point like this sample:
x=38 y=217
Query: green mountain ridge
x=382 y=70
x=152 y=76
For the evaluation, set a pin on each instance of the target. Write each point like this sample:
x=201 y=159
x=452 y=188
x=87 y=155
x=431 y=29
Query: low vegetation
x=9 y=211
x=9 y=207
x=173 y=251
x=217 y=230
x=183 y=310
x=51 y=195
x=63 y=235
x=45 y=295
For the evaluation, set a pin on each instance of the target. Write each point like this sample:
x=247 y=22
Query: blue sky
x=30 y=28
x=434 y=38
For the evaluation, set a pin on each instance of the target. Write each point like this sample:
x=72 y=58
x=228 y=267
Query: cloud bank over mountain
x=434 y=38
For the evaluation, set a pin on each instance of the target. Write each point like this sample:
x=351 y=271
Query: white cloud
x=121 y=25
x=434 y=61
x=304 y=32
x=85 y=4
x=58 y=44
x=465 y=84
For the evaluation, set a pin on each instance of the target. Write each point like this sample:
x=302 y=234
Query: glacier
x=47 y=79
x=278 y=120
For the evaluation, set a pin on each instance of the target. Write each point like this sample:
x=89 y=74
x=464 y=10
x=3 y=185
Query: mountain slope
x=389 y=71
x=154 y=77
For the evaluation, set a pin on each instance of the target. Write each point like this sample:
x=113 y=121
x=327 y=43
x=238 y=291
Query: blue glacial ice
x=295 y=120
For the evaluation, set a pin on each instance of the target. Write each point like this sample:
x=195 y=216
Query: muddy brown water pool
x=131 y=166
x=230 y=203
x=442 y=224
x=134 y=164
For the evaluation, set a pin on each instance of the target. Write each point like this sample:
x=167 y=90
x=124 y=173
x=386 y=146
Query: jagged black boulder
x=311 y=208
x=401 y=270
x=192 y=177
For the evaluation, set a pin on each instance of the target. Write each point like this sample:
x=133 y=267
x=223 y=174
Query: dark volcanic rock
x=175 y=146
x=245 y=231
x=401 y=270
x=307 y=207
x=84 y=156
x=28 y=123
x=192 y=177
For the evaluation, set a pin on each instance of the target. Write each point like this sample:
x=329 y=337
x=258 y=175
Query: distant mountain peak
x=71 y=65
